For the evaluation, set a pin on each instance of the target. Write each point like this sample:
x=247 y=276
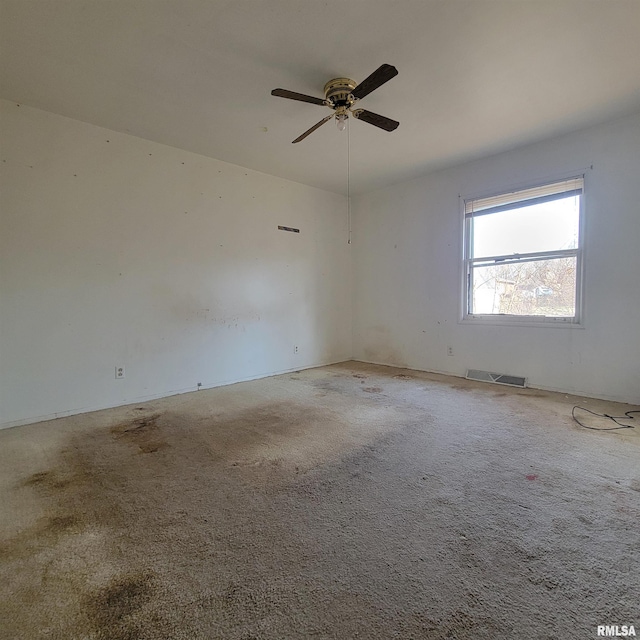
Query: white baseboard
x=156 y=396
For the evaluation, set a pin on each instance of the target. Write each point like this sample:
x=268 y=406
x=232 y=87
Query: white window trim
x=575 y=322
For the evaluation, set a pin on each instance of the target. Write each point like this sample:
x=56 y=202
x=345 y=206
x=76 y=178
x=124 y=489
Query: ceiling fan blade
x=376 y=120
x=381 y=75
x=315 y=126
x=292 y=95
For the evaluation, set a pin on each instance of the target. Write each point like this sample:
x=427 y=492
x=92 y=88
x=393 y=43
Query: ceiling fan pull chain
x=349 y=182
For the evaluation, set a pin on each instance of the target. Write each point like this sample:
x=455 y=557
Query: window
x=523 y=254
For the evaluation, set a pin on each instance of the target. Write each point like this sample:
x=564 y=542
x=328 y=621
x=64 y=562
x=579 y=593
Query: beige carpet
x=350 y=501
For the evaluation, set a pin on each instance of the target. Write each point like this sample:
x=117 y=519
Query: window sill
x=522 y=321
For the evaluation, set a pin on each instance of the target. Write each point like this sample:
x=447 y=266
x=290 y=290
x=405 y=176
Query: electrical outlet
x=119 y=373
x=449 y=351
x=295 y=349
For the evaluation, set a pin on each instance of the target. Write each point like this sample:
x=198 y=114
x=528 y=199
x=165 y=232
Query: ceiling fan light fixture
x=341 y=94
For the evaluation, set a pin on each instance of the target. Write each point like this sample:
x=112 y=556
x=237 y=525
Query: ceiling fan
x=341 y=94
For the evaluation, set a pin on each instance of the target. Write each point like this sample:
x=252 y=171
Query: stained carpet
x=349 y=501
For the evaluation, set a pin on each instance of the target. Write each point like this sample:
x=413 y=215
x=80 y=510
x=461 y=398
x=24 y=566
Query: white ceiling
x=475 y=76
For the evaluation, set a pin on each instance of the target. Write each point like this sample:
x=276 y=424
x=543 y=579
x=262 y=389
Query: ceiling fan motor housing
x=338 y=92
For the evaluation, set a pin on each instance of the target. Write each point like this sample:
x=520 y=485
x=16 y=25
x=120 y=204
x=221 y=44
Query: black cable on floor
x=626 y=416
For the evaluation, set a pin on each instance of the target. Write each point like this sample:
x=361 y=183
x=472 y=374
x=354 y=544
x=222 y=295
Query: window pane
x=537 y=288
x=541 y=227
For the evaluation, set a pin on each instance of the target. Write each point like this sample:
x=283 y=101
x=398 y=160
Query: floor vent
x=497 y=378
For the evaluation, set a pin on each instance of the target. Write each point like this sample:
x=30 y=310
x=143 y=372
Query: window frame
x=575 y=321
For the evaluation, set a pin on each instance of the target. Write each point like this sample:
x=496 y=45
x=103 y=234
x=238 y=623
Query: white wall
x=408 y=258
x=119 y=251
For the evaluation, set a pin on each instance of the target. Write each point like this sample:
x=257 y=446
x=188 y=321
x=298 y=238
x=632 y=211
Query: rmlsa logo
x=614 y=630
